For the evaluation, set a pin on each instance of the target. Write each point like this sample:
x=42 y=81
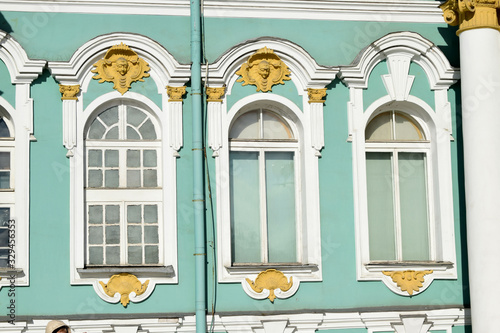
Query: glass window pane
x=132 y=134
x=96 y=256
x=4 y=160
x=133 y=178
x=96 y=130
x=110 y=116
x=113 y=133
x=413 y=202
x=134 y=234
x=4 y=237
x=135 y=255
x=151 y=254
x=151 y=234
x=380 y=206
x=112 y=214
x=95 y=178
x=246 y=126
x=134 y=116
x=133 y=158
x=95 y=158
x=4 y=130
x=112 y=255
x=95 y=214
x=245 y=207
x=150 y=213
x=95 y=235
x=150 y=178
x=111 y=158
x=4 y=179
x=407 y=129
x=4 y=214
x=380 y=128
x=113 y=234
x=275 y=127
x=111 y=178
x=134 y=214
x=149 y=158
x=148 y=130
x=280 y=199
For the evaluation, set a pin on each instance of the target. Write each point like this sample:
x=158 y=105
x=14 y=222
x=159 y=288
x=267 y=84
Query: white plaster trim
x=266 y=292
x=423 y=52
x=375 y=321
x=116 y=298
x=22 y=72
x=175 y=131
x=214 y=116
x=366 y=10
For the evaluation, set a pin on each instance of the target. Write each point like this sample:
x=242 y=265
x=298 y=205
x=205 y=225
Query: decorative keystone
x=408 y=281
x=263 y=69
x=124 y=284
x=69 y=92
x=271 y=280
x=122 y=66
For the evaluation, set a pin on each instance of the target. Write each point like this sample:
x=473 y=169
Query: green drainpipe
x=198 y=190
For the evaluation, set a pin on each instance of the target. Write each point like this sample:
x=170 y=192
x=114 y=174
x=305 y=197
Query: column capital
x=471 y=14
x=215 y=94
x=316 y=95
x=69 y=92
x=175 y=93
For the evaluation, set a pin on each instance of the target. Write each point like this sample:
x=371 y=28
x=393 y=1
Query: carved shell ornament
x=271 y=280
x=263 y=69
x=409 y=281
x=122 y=66
x=124 y=284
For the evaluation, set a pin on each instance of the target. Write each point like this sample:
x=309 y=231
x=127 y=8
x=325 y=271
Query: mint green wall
x=7 y=90
x=350 y=330
x=331 y=43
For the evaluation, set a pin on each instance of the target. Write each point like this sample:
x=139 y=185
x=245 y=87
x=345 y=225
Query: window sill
x=285 y=268
x=7 y=272
x=379 y=266
x=147 y=271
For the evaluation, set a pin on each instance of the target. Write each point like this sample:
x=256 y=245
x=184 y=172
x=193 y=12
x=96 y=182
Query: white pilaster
x=480 y=67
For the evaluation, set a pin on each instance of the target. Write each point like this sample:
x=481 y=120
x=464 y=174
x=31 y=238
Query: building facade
x=247 y=166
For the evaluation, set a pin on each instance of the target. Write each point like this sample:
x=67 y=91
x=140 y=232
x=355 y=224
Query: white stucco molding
x=440 y=73
x=22 y=72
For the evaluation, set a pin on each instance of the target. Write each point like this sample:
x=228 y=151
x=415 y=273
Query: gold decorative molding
x=69 y=92
x=215 y=94
x=270 y=279
x=471 y=14
x=122 y=66
x=175 y=93
x=124 y=283
x=408 y=281
x=263 y=69
x=316 y=95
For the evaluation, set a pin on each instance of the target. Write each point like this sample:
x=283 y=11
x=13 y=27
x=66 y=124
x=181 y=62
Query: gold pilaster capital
x=69 y=92
x=316 y=95
x=175 y=93
x=215 y=94
x=471 y=14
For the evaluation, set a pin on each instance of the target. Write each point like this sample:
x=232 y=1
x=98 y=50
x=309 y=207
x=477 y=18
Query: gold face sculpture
x=263 y=69
x=122 y=66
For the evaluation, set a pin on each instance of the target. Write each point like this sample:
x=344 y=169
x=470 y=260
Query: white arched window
x=123 y=188
x=397 y=181
x=264 y=190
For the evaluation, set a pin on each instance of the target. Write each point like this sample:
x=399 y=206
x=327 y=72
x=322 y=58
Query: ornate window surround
x=165 y=70
x=22 y=72
x=400 y=49
x=305 y=74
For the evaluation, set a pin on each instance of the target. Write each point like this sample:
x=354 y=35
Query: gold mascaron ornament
x=122 y=66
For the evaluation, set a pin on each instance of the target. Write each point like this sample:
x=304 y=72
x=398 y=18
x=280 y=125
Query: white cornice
x=348 y=10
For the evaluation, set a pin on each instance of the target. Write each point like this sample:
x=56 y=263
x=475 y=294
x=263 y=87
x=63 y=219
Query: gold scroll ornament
x=471 y=14
x=124 y=284
x=271 y=280
x=122 y=66
x=408 y=281
x=263 y=69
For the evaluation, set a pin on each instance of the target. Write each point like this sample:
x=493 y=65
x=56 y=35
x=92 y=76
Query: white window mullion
x=122 y=121
x=263 y=206
x=123 y=233
x=430 y=206
x=298 y=205
x=397 y=208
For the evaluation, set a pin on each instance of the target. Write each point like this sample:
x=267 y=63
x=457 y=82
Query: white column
x=480 y=67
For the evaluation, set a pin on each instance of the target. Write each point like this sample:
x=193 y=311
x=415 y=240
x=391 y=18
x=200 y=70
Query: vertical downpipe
x=198 y=190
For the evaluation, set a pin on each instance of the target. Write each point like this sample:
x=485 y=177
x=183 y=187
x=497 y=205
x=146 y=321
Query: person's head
x=56 y=326
x=122 y=65
x=264 y=69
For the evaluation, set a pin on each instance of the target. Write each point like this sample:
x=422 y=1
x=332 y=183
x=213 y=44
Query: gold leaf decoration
x=175 y=93
x=215 y=94
x=69 y=92
x=124 y=284
x=263 y=69
x=122 y=66
x=271 y=280
x=316 y=95
x=408 y=281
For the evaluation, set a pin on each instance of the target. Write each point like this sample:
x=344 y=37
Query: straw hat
x=54 y=325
